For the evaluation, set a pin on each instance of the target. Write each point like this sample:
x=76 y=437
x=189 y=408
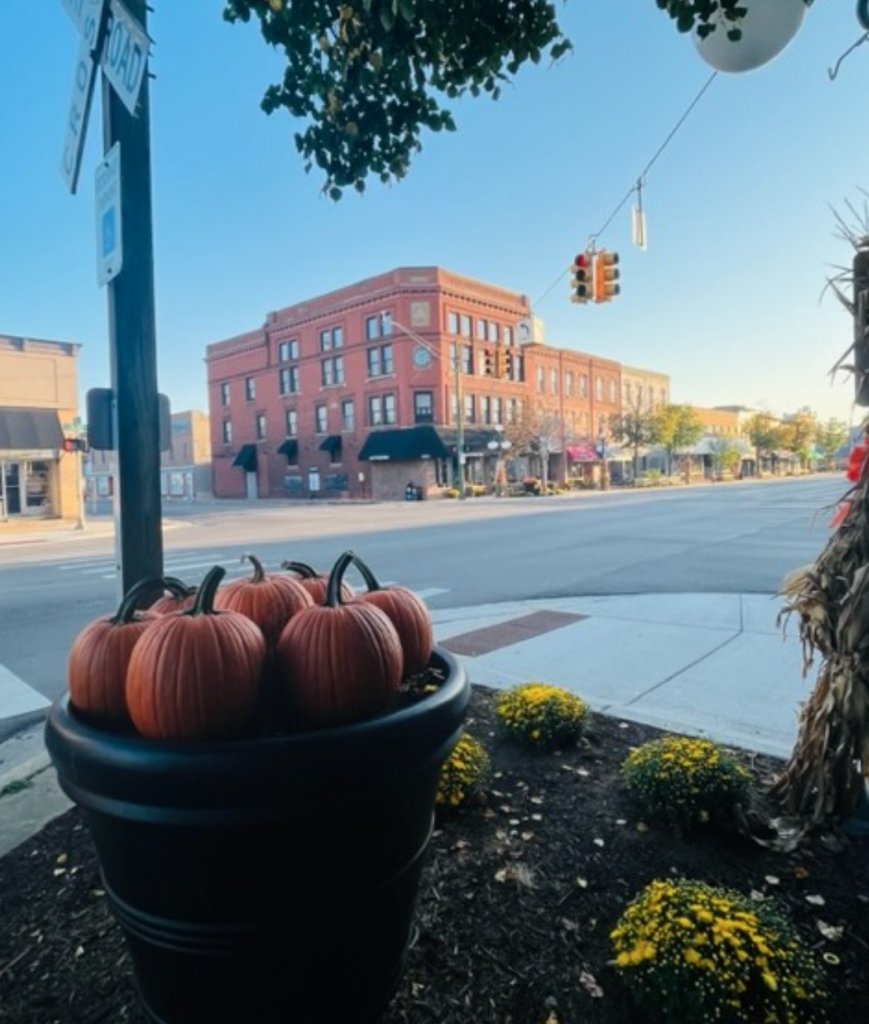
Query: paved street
x=715 y=539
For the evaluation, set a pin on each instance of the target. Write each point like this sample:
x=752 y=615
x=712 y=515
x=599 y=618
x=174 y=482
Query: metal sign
x=78 y=11
x=110 y=242
x=124 y=55
x=82 y=91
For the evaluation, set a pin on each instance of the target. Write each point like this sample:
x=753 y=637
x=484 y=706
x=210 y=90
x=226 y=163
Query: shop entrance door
x=12 y=488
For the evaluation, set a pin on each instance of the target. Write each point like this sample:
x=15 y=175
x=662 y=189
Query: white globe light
x=767 y=28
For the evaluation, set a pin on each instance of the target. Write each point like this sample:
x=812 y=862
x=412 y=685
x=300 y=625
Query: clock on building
x=421 y=357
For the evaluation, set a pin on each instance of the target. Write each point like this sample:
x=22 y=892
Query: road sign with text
x=124 y=55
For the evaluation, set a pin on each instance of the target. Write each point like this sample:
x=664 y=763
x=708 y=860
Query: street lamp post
x=500 y=445
x=601 y=449
x=460 y=426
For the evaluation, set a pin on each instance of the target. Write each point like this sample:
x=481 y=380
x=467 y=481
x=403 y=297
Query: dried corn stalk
x=823 y=779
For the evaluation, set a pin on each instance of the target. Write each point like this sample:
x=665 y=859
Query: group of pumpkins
x=191 y=665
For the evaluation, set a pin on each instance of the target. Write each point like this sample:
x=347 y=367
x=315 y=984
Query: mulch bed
x=518 y=898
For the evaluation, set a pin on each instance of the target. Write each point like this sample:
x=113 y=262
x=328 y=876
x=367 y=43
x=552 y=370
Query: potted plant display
x=264 y=868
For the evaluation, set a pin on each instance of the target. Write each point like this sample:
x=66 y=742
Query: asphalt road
x=714 y=539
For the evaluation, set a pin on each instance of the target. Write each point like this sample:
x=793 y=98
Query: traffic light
x=74 y=444
x=861 y=327
x=509 y=364
x=500 y=364
x=606 y=274
x=488 y=362
x=581 y=282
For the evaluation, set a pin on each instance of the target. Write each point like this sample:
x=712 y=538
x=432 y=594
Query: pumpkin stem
x=204 y=603
x=259 y=574
x=307 y=572
x=130 y=603
x=366 y=574
x=336 y=577
x=177 y=588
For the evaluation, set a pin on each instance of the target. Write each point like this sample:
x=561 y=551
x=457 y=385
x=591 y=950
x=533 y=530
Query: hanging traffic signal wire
x=636 y=188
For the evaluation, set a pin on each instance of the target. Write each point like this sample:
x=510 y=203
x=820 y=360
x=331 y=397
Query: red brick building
x=355 y=393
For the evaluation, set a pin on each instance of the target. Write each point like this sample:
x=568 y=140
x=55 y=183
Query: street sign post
x=124 y=55
x=110 y=240
x=115 y=38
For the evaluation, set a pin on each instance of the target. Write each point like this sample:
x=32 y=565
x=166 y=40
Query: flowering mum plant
x=540 y=715
x=463 y=773
x=696 y=953
x=685 y=780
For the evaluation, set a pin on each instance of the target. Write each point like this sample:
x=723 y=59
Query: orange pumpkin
x=196 y=674
x=176 y=597
x=316 y=582
x=339 y=662
x=100 y=654
x=407 y=612
x=268 y=600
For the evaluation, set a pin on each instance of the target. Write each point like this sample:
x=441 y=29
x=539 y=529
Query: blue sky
x=727 y=298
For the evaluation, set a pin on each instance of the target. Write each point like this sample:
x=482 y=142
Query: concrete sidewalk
x=714 y=665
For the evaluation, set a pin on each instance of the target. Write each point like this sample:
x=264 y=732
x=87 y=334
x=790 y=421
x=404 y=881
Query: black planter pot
x=265 y=879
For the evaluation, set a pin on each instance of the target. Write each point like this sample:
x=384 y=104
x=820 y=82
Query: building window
x=375 y=411
x=332 y=371
x=541 y=384
x=389 y=409
x=321 y=423
x=508 y=335
x=496 y=410
x=583 y=386
x=260 y=426
x=250 y=389
x=380 y=362
x=452 y=323
x=348 y=415
x=227 y=431
x=423 y=407
x=284 y=381
x=288 y=350
x=613 y=391
x=553 y=382
x=465 y=325
x=331 y=337
x=378 y=326
x=511 y=410
x=494 y=331
x=568 y=383
x=224 y=394
x=467 y=359
x=598 y=389
x=482 y=330
x=640 y=396
x=291 y=419
x=627 y=392
x=469 y=409
x=486 y=409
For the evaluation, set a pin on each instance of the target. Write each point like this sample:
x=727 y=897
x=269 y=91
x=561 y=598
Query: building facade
x=185 y=469
x=393 y=381
x=38 y=406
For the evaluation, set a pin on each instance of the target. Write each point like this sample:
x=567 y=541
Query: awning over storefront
x=332 y=445
x=407 y=444
x=22 y=429
x=581 y=453
x=290 y=448
x=246 y=458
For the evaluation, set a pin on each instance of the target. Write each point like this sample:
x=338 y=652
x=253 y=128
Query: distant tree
x=829 y=438
x=635 y=427
x=725 y=454
x=368 y=77
x=764 y=432
x=675 y=428
x=798 y=434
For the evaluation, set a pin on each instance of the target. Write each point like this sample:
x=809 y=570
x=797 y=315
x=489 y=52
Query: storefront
x=31 y=441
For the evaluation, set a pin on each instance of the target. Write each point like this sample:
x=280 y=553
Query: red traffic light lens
x=69 y=444
x=583 y=260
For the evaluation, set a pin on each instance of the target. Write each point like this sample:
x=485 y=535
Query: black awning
x=246 y=458
x=406 y=444
x=332 y=445
x=28 y=429
x=290 y=448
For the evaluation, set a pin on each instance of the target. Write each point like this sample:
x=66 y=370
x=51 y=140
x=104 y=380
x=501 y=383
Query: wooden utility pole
x=133 y=341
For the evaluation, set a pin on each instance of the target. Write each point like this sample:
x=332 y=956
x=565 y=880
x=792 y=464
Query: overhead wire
x=639 y=184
